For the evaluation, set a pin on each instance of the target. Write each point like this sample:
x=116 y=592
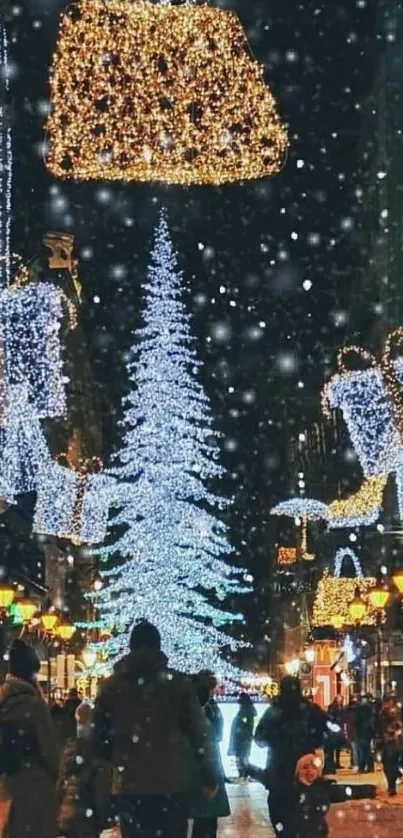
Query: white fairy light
x=72 y=505
x=173 y=541
x=32 y=316
x=24 y=451
x=346 y=553
x=361 y=396
x=6 y=162
x=300 y=508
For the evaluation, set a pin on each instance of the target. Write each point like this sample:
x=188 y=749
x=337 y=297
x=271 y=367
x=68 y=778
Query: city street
x=379 y=818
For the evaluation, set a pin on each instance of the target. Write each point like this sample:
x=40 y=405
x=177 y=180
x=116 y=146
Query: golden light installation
x=332 y=599
x=357 y=608
x=7 y=594
x=286 y=555
x=360 y=505
x=151 y=92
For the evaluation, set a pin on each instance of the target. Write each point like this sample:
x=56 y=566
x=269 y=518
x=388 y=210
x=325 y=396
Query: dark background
x=254 y=244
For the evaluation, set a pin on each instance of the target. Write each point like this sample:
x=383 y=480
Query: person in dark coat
x=204 y=812
x=211 y=709
x=333 y=742
x=391 y=729
x=29 y=744
x=242 y=734
x=71 y=704
x=293 y=729
x=142 y=715
x=365 y=729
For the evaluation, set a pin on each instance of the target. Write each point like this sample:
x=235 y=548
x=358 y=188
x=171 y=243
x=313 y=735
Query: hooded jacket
x=141 y=716
x=27 y=727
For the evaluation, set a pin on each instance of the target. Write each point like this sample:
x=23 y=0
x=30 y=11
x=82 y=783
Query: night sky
x=248 y=252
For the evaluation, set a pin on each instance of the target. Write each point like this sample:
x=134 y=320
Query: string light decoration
x=332 y=599
x=24 y=453
x=312 y=509
x=371 y=401
x=74 y=503
x=154 y=92
x=346 y=553
x=286 y=555
x=32 y=315
x=167 y=542
x=6 y=161
x=360 y=509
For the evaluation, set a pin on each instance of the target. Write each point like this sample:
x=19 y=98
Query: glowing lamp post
x=397 y=579
x=7 y=595
x=378 y=597
x=357 y=608
x=65 y=631
x=27 y=609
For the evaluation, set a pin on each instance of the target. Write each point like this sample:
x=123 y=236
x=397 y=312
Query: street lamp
x=65 y=631
x=49 y=620
x=7 y=595
x=292 y=667
x=378 y=597
x=357 y=608
x=26 y=608
x=397 y=579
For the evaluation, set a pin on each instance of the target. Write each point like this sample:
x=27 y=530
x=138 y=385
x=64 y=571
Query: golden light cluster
x=362 y=503
x=286 y=555
x=332 y=599
x=151 y=92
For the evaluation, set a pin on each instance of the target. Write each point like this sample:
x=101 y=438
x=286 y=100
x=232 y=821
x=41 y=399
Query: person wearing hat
x=142 y=716
x=29 y=757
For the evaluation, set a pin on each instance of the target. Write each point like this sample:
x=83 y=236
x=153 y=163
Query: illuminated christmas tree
x=166 y=565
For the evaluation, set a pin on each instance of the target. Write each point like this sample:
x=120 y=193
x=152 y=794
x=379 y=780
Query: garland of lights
x=24 y=451
x=74 y=503
x=332 y=599
x=166 y=564
x=371 y=401
x=6 y=161
x=361 y=509
x=287 y=555
x=308 y=508
x=346 y=553
x=154 y=92
x=32 y=314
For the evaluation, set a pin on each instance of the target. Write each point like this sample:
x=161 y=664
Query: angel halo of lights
x=158 y=92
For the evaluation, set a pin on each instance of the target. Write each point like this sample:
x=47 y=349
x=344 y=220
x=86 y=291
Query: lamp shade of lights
x=49 y=620
x=357 y=607
x=398 y=580
x=27 y=608
x=156 y=92
x=7 y=595
x=378 y=597
x=89 y=657
x=337 y=622
x=65 y=631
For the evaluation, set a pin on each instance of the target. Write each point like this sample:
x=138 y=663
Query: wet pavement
x=379 y=818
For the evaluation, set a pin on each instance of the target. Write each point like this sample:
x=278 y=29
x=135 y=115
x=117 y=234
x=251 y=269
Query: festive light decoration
x=151 y=92
x=24 y=454
x=6 y=162
x=74 y=503
x=32 y=315
x=166 y=565
x=361 y=509
x=370 y=399
x=332 y=599
x=346 y=553
x=312 y=509
x=286 y=555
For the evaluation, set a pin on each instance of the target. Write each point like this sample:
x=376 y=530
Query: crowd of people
x=146 y=757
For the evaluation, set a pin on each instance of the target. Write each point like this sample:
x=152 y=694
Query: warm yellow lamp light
x=27 y=609
x=337 y=622
x=378 y=597
x=65 y=631
x=156 y=92
x=398 y=580
x=357 y=608
x=49 y=620
x=310 y=654
x=7 y=594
